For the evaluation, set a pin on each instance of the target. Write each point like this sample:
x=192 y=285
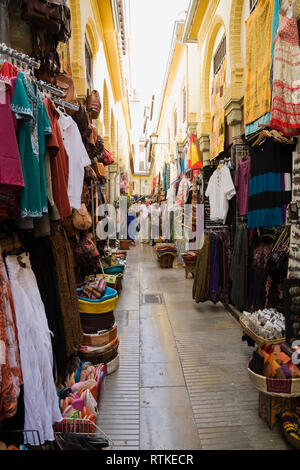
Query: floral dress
x=10 y=367
x=285 y=109
x=33 y=126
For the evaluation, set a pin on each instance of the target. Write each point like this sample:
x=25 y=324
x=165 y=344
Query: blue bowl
x=114 y=269
x=109 y=294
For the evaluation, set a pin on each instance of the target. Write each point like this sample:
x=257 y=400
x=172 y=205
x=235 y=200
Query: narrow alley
x=182 y=381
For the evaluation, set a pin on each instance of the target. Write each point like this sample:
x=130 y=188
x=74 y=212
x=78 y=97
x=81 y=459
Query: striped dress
x=270 y=184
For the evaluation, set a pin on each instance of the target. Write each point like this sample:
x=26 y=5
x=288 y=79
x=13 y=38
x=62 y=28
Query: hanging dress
x=40 y=399
x=33 y=126
x=11 y=176
x=285 y=108
x=10 y=364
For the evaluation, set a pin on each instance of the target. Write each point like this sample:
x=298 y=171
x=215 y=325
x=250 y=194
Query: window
x=220 y=55
x=184 y=103
x=175 y=123
x=253 y=4
x=89 y=65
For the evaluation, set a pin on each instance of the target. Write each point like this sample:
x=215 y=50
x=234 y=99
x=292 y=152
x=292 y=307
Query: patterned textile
x=265 y=120
x=285 y=109
x=258 y=61
x=10 y=365
x=279 y=385
x=217 y=136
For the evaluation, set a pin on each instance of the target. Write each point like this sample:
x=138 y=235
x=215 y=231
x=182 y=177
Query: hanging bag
x=82 y=220
x=94 y=104
x=53 y=16
x=107 y=158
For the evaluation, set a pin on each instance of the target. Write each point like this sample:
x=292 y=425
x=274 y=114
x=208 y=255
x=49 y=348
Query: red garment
x=11 y=174
x=59 y=163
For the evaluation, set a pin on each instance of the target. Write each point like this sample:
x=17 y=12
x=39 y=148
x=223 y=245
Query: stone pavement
x=182 y=382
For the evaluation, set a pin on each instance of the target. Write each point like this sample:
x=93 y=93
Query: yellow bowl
x=100 y=307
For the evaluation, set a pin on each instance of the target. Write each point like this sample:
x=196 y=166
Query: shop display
x=166 y=253
x=211 y=281
x=267 y=323
x=51 y=325
x=220 y=190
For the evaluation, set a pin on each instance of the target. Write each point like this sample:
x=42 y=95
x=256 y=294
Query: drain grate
x=152 y=299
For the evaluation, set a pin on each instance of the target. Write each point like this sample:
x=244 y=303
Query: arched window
x=220 y=55
x=253 y=4
x=175 y=123
x=184 y=105
x=89 y=65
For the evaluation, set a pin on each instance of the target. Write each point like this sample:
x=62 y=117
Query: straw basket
x=100 y=356
x=112 y=366
x=259 y=340
x=275 y=387
x=100 y=339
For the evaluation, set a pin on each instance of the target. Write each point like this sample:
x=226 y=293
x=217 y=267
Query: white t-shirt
x=78 y=158
x=220 y=190
x=145 y=210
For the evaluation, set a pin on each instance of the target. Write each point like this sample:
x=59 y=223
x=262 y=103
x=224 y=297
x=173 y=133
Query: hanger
x=263 y=135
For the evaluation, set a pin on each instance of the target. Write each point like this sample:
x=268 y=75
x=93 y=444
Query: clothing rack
x=19 y=56
x=65 y=104
x=25 y=59
x=52 y=89
x=216 y=227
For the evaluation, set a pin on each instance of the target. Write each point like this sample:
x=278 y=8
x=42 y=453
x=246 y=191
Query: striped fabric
x=270 y=184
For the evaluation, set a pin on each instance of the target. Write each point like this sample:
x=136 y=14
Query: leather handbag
x=85 y=196
x=53 y=16
x=99 y=170
x=94 y=104
x=82 y=220
x=66 y=83
x=86 y=252
x=107 y=158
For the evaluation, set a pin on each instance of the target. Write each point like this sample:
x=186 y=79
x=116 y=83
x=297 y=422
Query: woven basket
x=273 y=386
x=259 y=340
x=166 y=261
x=93 y=323
x=100 y=357
x=99 y=349
x=100 y=339
x=112 y=366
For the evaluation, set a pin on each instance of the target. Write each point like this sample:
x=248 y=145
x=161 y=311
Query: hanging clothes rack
x=52 y=89
x=19 y=56
x=65 y=104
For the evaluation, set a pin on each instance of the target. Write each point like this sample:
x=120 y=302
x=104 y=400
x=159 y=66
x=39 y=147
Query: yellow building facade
x=98 y=61
x=212 y=32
